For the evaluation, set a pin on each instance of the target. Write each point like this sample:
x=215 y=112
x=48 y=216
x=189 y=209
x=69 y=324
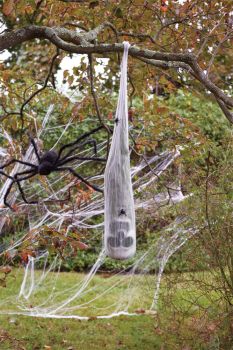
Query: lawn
x=179 y=324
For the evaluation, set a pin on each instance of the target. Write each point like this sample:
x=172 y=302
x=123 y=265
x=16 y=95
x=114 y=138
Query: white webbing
x=119 y=220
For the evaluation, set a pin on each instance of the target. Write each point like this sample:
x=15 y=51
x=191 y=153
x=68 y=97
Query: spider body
x=52 y=161
x=47 y=163
x=122 y=212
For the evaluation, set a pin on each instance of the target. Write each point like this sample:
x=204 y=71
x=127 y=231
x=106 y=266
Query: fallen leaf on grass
x=92 y=318
x=140 y=311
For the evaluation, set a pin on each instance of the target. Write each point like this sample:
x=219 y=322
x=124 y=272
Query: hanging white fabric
x=119 y=221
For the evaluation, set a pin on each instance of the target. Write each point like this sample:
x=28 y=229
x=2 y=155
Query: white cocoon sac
x=119 y=220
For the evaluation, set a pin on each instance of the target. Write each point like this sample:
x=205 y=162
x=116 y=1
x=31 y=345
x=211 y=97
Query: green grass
x=180 y=323
x=120 y=333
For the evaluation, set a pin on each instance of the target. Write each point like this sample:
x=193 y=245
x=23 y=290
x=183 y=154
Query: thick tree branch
x=165 y=65
x=209 y=85
x=225 y=110
x=74 y=42
x=86 y=43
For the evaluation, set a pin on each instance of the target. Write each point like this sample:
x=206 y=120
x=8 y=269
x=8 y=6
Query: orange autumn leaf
x=6 y=269
x=8 y=7
x=82 y=246
x=164 y=8
x=24 y=257
x=15 y=207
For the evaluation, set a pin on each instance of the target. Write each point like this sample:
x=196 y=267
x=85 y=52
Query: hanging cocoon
x=119 y=221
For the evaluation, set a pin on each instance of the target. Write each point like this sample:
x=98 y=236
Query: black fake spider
x=51 y=161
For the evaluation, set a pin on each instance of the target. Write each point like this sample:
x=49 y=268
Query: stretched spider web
x=43 y=289
x=42 y=292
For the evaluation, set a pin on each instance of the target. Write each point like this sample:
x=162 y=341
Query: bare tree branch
x=40 y=89
x=34 y=15
x=96 y=102
x=226 y=37
x=209 y=85
x=93 y=89
x=225 y=110
x=137 y=35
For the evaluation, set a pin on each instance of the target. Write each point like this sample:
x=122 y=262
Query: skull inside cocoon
x=120 y=241
x=119 y=213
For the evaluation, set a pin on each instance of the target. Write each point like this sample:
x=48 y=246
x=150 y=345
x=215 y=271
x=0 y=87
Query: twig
x=96 y=102
x=39 y=90
x=33 y=17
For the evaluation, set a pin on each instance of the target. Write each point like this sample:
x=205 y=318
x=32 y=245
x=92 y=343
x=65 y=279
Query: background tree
x=180 y=91
x=174 y=44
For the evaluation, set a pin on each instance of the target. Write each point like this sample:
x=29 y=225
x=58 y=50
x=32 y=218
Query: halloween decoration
x=120 y=235
x=51 y=161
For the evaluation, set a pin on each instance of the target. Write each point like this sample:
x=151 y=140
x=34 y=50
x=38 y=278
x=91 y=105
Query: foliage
x=200 y=27
x=172 y=121
x=202 y=113
x=168 y=107
x=213 y=217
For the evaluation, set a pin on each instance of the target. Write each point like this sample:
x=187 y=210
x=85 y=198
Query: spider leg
x=15 y=180
x=17 y=161
x=4 y=174
x=78 y=140
x=6 y=195
x=20 y=187
x=96 y=188
x=34 y=146
x=90 y=141
x=66 y=160
x=8 y=190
